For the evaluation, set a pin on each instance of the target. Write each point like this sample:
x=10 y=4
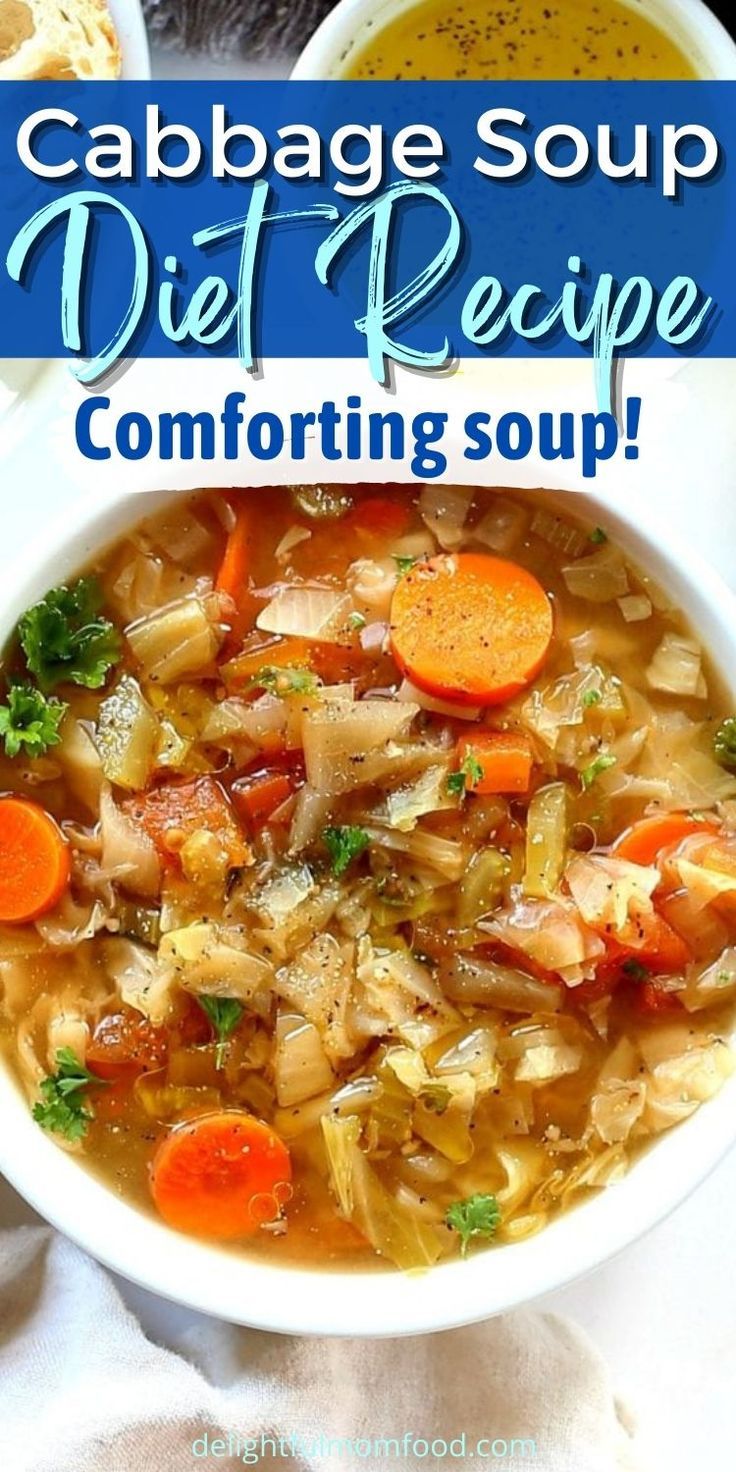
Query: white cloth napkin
x=83 y=1390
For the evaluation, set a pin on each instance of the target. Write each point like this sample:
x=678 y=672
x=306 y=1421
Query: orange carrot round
x=34 y=861
x=470 y=628
x=221 y=1175
x=643 y=841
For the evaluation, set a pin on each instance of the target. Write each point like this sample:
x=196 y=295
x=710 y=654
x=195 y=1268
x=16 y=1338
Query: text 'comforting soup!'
x=367 y=868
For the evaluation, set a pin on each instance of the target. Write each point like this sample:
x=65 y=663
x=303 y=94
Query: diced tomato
x=124 y=1044
x=192 y=1028
x=653 y=943
x=652 y=998
x=379 y=517
x=172 y=813
x=607 y=977
x=256 y=796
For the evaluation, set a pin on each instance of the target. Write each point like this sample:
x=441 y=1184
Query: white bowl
x=128 y=20
x=689 y=23
x=287 y=1299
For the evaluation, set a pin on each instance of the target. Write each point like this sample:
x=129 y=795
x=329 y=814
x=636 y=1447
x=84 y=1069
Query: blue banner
x=409 y=222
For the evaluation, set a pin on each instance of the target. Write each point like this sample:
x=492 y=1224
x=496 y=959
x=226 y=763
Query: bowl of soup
x=519 y=40
x=367 y=895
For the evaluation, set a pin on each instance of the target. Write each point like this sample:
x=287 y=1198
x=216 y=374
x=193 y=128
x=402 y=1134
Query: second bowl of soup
x=516 y=40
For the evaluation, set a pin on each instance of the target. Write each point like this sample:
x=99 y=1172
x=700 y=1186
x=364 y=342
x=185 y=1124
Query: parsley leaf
x=591 y=697
x=635 y=971
x=28 y=720
x=284 y=681
x=344 y=845
x=61 y=1107
x=477 y=1216
x=724 y=743
x=404 y=564
x=467 y=776
x=598 y=536
x=356 y=622
x=65 y=638
x=601 y=764
x=224 y=1013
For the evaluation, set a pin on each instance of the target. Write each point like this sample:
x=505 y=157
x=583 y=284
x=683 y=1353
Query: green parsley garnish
x=29 y=720
x=598 y=536
x=724 y=743
x=634 y=970
x=344 y=845
x=224 y=1013
x=62 y=1107
x=404 y=564
x=285 y=681
x=466 y=777
x=356 y=622
x=65 y=638
x=601 y=764
x=592 y=697
x=477 y=1216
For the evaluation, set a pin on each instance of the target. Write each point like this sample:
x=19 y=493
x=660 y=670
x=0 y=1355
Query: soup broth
x=377 y=862
x=519 y=39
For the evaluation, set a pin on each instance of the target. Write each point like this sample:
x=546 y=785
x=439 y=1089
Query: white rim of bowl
x=286 y=1299
x=127 y=16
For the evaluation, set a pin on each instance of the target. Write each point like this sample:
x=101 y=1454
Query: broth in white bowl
x=466 y=1104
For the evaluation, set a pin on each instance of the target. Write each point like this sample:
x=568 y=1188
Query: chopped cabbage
x=391 y=1229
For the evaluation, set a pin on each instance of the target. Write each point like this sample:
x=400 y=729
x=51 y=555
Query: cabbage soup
x=367 y=868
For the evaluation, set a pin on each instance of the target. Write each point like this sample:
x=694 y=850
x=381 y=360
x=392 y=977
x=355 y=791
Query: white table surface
x=664 y=1313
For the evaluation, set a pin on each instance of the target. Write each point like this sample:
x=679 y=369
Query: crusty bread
x=53 y=40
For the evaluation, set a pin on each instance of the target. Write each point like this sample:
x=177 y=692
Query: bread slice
x=55 y=40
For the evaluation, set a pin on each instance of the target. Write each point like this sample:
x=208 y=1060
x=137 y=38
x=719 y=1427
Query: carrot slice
x=172 y=813
x=234 y=566
x=35 y=862
x=504 y=757
x=470 y=628
x=258 y=795
x=232 y=578
x=221 y=1175
x=643 y=841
